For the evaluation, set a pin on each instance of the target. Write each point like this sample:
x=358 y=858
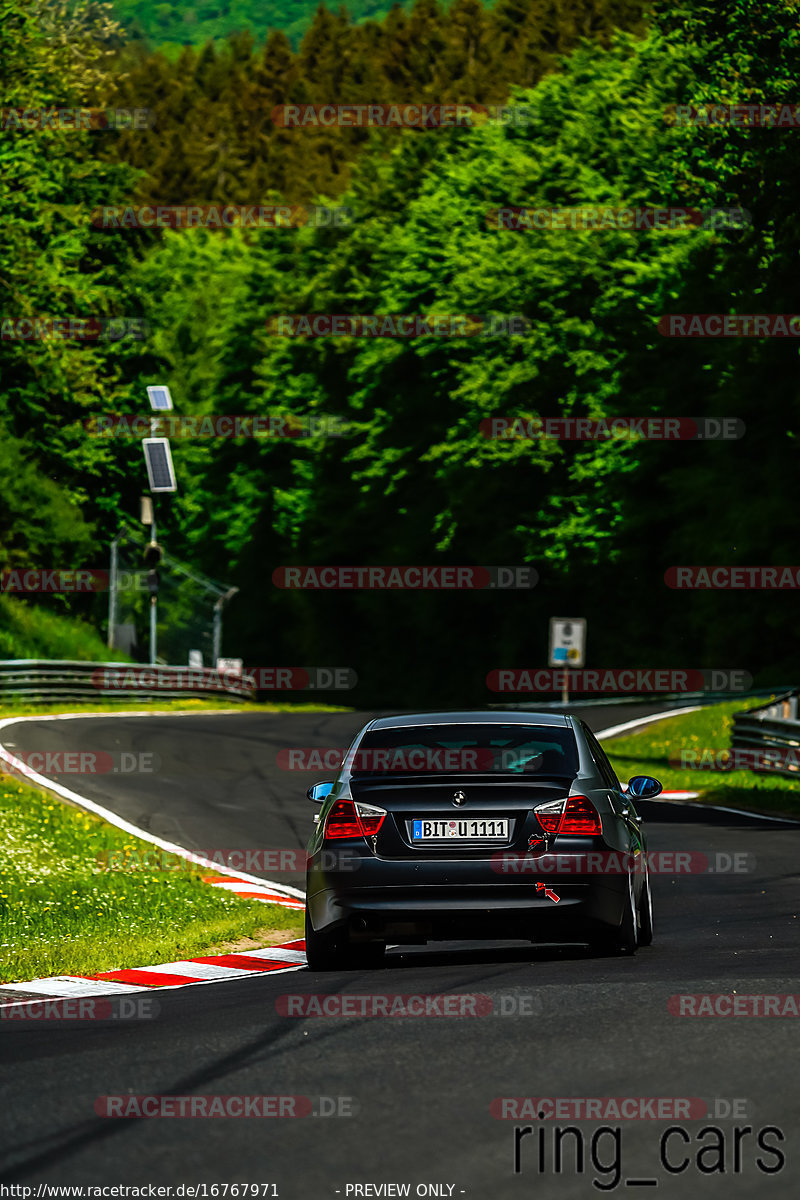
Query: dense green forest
x=212 y=136
x=194 y=24
x=414 y=480
x=205 y=20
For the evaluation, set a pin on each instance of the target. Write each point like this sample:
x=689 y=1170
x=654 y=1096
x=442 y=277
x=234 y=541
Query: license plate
x=461 y=830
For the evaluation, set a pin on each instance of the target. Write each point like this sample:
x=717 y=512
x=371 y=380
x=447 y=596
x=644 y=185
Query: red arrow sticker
x=541 y=887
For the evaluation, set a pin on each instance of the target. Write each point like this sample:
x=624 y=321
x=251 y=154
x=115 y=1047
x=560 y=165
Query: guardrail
x=772 y=727
x=667 y=699
x=52 y=680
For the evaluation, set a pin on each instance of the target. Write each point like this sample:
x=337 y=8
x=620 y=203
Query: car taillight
x=576 y=814
x=551 y=815
x=350 y=819
x=342 y=821
x=581 y=816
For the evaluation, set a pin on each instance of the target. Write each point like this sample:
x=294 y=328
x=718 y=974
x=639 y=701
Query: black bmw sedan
x=473 y=825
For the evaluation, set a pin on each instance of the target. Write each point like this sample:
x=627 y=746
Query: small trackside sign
x=567 y=642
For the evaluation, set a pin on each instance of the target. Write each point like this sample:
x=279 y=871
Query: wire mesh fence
x=188 y=609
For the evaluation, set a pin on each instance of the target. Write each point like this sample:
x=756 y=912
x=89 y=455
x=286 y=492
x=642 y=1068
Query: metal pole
x=217 y=634
x=112 y=591
x=565 y=690
x=216 y=640
x=153 y=601
x=153 y=610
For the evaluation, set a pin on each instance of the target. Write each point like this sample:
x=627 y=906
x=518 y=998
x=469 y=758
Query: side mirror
x=643 y=787
x=320 y=791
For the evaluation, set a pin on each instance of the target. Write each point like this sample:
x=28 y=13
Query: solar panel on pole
x=160 y=471
x=161 y=477
x=160 y=398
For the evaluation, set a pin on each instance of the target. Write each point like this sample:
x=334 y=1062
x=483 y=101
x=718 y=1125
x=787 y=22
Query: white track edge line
x=676 y=712
x=740 y=812
x=111 y=817
x=614 y=730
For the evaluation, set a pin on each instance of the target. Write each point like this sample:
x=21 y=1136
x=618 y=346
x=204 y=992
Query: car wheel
x=329 y=950
x=324 y=948
x=620 y=939
x=645 y=914
x=628 y=933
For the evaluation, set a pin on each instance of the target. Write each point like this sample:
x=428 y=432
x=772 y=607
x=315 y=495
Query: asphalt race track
x=412 y=1095
x=215 y=781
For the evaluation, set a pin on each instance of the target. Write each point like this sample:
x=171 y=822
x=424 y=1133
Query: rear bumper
x=400 y=900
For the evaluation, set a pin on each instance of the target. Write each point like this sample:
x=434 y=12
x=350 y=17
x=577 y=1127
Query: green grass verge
x=66 y=908
x=649 y=751
x=32 y=630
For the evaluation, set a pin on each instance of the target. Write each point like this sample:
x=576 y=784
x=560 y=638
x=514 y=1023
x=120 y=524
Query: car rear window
x=528 y=750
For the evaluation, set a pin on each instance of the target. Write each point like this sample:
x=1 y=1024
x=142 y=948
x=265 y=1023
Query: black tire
x=329 y=950
x=620 y=939
x=324 y=949
x=645 y=914
x=628 y=934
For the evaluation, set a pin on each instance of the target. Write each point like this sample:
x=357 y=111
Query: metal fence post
x=112 y=591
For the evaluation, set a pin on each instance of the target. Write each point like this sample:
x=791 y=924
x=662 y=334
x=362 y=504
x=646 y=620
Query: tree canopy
x=415 y=479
